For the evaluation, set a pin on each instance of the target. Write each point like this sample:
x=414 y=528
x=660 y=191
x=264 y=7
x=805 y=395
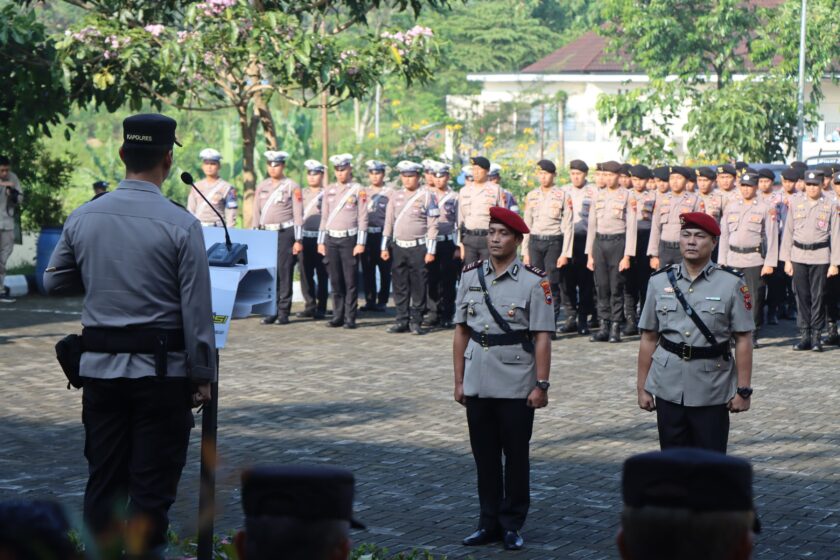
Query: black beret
x=692 y=174
x=801 y=165
x=813 y=177
x=706 y=172
x=766 y=174
x=610 y=166
x=828 y=169
x=304 y=492
x=640 y=171
x=727 y=169
x=661 y=173
x=547 y=165
x=749 y=178
x=688 y=478
x=149 y=131
x=579 y=165
x=480 y=161
x=792 y=174
x=680 y=170
x=625 y=169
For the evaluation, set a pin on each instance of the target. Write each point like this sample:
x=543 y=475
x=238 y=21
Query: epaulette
x=538 y=271
x=731 y=270
x=472 y=265
x=181 y=206
x=663 y=269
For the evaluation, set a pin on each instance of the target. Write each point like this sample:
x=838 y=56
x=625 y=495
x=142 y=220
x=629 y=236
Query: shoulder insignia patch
x=731 y=270
x=663 y=269
x=538 y=271
x=472 y=265
x=546 y=287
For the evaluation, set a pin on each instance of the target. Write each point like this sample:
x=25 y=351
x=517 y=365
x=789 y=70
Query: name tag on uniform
x=713 y=298
x=475 y=288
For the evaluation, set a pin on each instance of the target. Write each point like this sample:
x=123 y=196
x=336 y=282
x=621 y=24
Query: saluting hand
x=646 y=401
x=738 y=404
x=538 y=398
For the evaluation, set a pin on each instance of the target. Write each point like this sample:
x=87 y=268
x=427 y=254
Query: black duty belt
x=687 y=352
x=135 y=341
x=504 y=339
x=536 y=237
x=610 y=236
x=812 y=246
x=745 y=250
x=670 y=244
x=476 y=232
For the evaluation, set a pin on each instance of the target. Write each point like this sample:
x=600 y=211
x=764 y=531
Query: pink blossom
x=183 y=36
x=208 y=58
x=107 y=55
x=215 y=7
x=155 y=29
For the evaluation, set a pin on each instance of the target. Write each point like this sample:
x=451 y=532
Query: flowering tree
x=217 y=54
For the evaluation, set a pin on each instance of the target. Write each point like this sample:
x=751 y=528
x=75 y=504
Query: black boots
x=804 y=340
x=833 y=338
x=582 y=327
x=570 y=325
x=615 y=332
x=603 y=334
x=816 y=341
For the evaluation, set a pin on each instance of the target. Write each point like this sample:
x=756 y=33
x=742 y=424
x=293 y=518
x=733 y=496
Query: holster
x=68 y=351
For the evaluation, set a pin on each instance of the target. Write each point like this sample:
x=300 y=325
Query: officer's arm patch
x=538 y=271
x=546 y=288
x=731 y=270
x=745 y=293
x=472 y=265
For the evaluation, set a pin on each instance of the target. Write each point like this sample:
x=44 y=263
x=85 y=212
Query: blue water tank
x=44 y=249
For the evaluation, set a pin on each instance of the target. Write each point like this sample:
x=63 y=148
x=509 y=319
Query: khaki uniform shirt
x=377 y=205
x=7 y=215
x=733 y=194
x=340 y=212
x=410 y=216
x=582 y=200
x=549 y=212
x=645 y=205
x=143 y=264
x=615 y=213
x=278 y=203
x=221 y=195
x=447 y=224
x=749 y=225
x=522 y=296
x=723 y=303
x=312 y=202
x=666 y=225
x=812 y=221
x=474 y=204
x=714 y=204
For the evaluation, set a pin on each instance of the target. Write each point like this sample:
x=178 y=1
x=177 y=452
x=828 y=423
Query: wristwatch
x=744 y=392
x=544 y=385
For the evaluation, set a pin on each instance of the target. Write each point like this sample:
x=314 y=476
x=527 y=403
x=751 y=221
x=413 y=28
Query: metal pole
x=800 y=109
x=207 y=492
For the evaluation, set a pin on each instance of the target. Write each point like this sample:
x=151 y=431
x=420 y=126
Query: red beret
x=509 y=218
x=700 y=220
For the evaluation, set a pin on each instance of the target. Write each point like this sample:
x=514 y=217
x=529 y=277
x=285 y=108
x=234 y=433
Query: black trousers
x=312 y=265
x=411 y=281
x=608 y=280
x=285 y=270
x=776 y=289
x=443 y=273
x=342 y=265
x=579 y=280
x=501 y=427
x=637 y=277
x=757 y=286
x=706 y=427
x=668 y=255
x=832 y=298
x=475 y=248
x=371 y=262
x=544 y=254
x=809 y=283
x=136 y=436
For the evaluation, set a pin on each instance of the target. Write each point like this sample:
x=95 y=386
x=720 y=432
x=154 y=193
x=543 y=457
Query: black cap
x=610 y=166
x=149 y=131
x=813 y=177
x=662 y=173
x=801 y=165
x=680 y=170
x=480 y=161
x=599 y=166
x=727 y=169
x=579 y=165
x=749 y=178
x=640 y=171
x=792 y=174
x=766 y=174
x=694 y=479
x=547 y=165
x=304 y=492
x=625 y=169
x=828 y=169
x=706 y=172
x=100 y=185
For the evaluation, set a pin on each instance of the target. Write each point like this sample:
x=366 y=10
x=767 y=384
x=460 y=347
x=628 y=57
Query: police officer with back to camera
x=686 y=370
x=502 y=356
x=149 y=354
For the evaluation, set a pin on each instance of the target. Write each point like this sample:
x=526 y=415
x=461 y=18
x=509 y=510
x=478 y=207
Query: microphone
x=187 y=178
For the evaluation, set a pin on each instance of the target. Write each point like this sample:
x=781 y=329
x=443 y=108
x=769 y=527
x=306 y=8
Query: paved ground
x=381 y=405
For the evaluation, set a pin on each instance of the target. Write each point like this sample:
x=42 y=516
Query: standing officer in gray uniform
x=474 y=203
x=502 y=357
x=149 y=352
x=220 y=193
x=639 y=272
x=278 y=206
x=378 y=195
x=579 y=280
x=664 y=245
x=411 y=222
x=444 y=270
x=686 y=370
x=342 y=237
x=311 y=262
x=749 y=242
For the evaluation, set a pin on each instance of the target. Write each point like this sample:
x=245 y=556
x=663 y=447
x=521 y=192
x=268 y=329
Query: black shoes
x=335 y=323
x=306 y=313
x=416 y=328
x=268 y=320
x=755 y=340
x=833 y=338
x=513 y=540
x=615 y=333
x=482 y=537
x=569 y=326
x=397 y=328
x=350 y=325
x=804 y=340
x=447 y=325
x=282 y=320
x=369 y=306
x=816 y=341
x=603 y=334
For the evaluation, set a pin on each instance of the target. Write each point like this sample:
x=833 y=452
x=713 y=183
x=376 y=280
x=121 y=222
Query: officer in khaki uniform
x=579 y=281
x=610 y=244
x=502 y=356
x=664 y=245
x=725 y=180
x=311 y=262
x=548 y=215
x=474 y=203
x=410 y=232
x=378 y=195
x=278 y=206
x=749 y=242
x=444 y=270
x=639 y=272
x=811 y=253
x=832 y=285
x=219 y=192
x=713 y=201
x=689 y=377
x=341 y=238
x=10 y=200
x=775 y=199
